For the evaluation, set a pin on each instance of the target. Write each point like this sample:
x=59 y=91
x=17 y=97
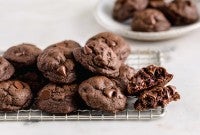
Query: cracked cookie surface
x=14 y=95
x=98 y=58
x=101 y=93
x=115 y=42
x=55 y=98
x=158 y=96
x=182 y=12
x=22 y=55
x=147 y=78
x=57 y=63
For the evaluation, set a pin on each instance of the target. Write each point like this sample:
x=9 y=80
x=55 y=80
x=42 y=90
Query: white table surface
x=44 y=22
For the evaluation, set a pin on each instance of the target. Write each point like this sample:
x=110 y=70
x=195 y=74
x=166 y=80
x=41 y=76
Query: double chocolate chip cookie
x=115 y=42
x=124 y=9
x=57 y=62
x=97 y=57
x=150 y=20
x=14 y=95
x=182 y=12
x=55 y=98
x=101 y=93
x=22 y=55
x=70 y=44
x=6 y=69
x=148 y=77
x=157 y=4
x=158 y=96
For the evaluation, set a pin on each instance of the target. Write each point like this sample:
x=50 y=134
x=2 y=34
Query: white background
x=44 y=22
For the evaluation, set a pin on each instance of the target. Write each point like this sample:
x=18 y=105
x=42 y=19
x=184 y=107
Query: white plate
x=103 y=15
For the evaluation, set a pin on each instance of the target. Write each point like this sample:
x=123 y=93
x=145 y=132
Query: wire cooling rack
x=137 y=59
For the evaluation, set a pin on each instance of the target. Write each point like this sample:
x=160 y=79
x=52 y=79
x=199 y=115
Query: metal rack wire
x=137 y=59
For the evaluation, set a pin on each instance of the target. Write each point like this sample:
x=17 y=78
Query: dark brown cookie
x=182 y=12
x=124 y=9
x=156 y=97
x=97 y=57
x=6 y=69
x=126 y=73
x=22 y=55
x=58 y=64
x=157 y=4
x=101 y=93
x=14 y=95
x=65 y=44
x=147 y=78
x=54 y=98
x=115 y=42
x=150 y=20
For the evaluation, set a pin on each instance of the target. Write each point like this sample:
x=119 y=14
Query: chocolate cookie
x=101 y=93
x=65 y=44
x=6 y=69
x=147 y=78
x=22 y=55
x=182 y=12
x=54 y=98
x=97 y=57
x=115 y=42
x=58 y=64
x=156 y=97
x=157 y=4
x=126 y=73
x=150 y=20
x=14 y=95
x=124 y=9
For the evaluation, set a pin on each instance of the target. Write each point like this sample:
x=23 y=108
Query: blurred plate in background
x=103 y=15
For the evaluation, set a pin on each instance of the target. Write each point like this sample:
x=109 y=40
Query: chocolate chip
x=87 y=50
x=18 y=85
x=19 y=53
x=62 y=70
x=152 y=19
x=45 y=94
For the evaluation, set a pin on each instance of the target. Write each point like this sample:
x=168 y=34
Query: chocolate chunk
x=62 y=70
x=156 y=97
x=147 y=78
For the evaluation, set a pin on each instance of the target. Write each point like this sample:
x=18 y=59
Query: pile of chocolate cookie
x=66 y=77
x=155 y=15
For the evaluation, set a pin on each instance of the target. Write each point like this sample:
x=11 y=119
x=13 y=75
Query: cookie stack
x=155 y=15
x=66 y=77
